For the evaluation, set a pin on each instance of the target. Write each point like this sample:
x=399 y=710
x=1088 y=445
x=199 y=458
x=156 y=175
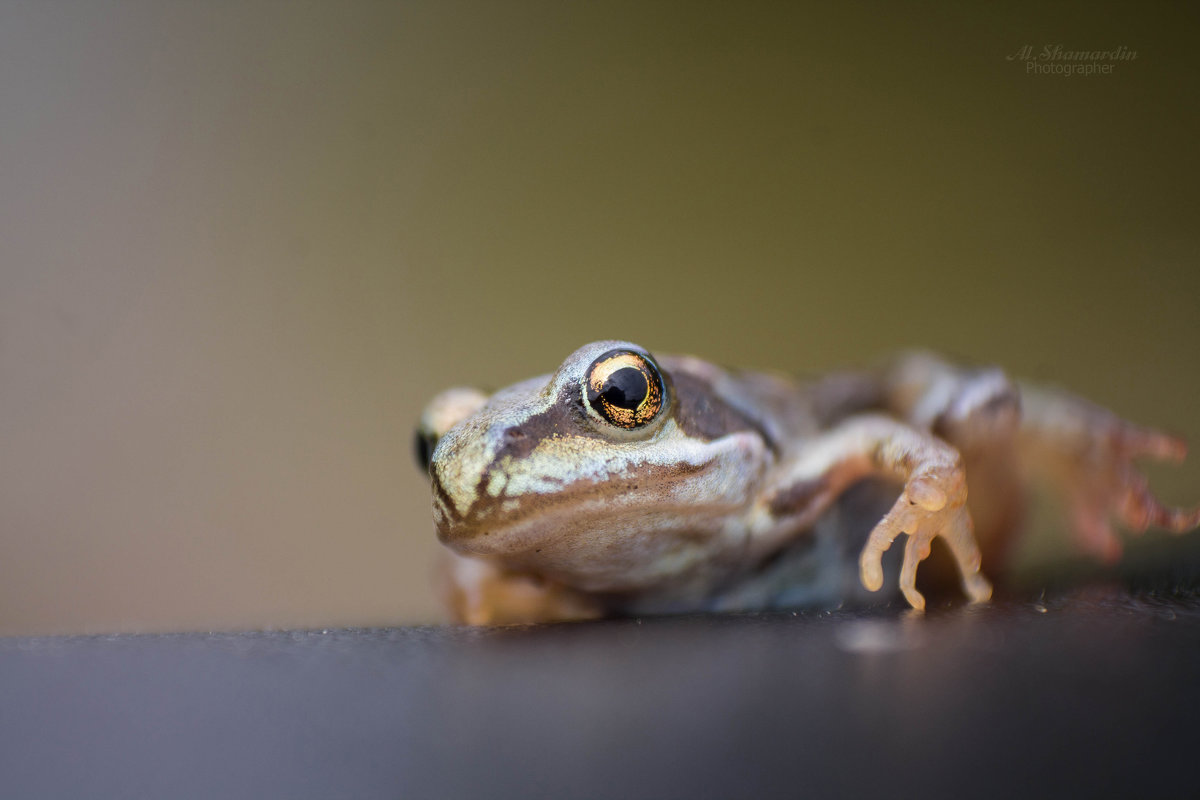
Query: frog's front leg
x=932 y=503
x=1088 y=453
x=478 y=592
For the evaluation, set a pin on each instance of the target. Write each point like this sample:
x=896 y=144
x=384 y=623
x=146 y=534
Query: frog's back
x=785 y=409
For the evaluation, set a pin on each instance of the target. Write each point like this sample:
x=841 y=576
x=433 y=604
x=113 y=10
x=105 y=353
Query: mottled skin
x=746 y=490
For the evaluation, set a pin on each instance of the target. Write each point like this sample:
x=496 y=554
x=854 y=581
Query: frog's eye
x=624 y=388
x=423 y=444
x=445 y=411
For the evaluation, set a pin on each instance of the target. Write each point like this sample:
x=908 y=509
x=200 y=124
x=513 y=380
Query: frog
x=630 y=484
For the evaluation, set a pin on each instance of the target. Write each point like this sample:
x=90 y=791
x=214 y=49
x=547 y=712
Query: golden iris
x=624 y=388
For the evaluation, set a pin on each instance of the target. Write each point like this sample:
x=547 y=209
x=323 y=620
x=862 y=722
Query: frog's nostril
x=515 y=442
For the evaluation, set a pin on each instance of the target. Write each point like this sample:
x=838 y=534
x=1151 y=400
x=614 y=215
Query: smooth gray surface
x=1081 y=693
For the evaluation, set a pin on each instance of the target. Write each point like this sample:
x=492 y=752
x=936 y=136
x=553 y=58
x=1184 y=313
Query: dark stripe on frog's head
x=702 y=413
x=563 y=417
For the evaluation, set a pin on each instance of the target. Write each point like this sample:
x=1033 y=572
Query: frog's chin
x=603 y=549
x=494 y=539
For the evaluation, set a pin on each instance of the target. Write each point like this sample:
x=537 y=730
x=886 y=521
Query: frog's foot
x=1102 y=485
x=932 y=504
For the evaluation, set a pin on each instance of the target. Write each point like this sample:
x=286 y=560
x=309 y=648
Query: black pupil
x=625 y=388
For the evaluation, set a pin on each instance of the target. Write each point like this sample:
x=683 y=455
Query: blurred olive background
x=241 y=244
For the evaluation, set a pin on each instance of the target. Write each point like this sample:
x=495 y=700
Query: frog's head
x=607 y=473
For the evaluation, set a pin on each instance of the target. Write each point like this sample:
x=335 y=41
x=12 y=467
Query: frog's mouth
x=491 y=521
x=596 y=538
x=496 y=523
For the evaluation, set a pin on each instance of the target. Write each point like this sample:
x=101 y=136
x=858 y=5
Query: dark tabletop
x=1076 y=692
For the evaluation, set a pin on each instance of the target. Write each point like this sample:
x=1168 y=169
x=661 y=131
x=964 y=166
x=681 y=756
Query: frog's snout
x=457 y=474
x=446 y=514
x=463 y=476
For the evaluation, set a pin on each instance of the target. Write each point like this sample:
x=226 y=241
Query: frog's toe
x=1093 y=531
x=916 y=550
x=870 y=568
x=1138 y=508
x=959 y=535
x=902 y=518
x=1132 y=441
